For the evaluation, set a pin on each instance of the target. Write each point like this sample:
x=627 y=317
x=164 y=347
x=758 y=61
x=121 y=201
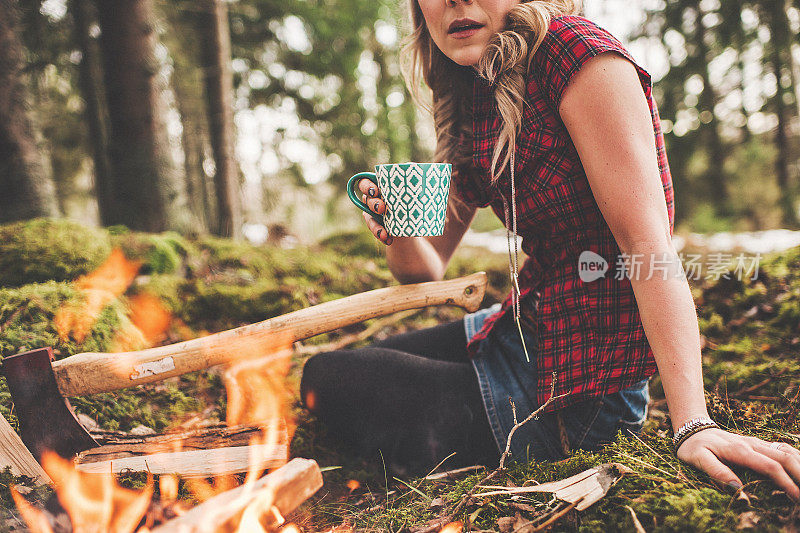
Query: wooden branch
x=196 y=463
x=292 y=484
x=15 y=454
x=453 y=473
x=530 y=417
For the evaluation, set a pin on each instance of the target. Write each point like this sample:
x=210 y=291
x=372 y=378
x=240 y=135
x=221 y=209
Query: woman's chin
x=466 y=56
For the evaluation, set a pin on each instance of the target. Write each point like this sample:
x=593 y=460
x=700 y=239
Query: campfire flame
x=93 y=502
x=99 y=288
x=257 y=396
x=149 y=321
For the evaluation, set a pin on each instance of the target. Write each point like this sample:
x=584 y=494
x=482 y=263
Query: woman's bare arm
x=608 y=119
x=418 y=259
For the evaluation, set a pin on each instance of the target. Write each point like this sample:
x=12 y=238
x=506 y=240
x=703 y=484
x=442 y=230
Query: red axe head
x=47 y=421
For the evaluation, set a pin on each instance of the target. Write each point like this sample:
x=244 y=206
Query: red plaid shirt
x=590 y=333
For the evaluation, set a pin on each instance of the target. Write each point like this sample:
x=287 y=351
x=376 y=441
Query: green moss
x=163 y=253
x=40 y=250
x=27 y=320
x=156 y=408
x=356 y=243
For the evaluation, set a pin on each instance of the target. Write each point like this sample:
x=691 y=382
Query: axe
x=39 y=385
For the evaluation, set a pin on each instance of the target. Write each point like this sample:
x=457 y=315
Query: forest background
x=247 y=117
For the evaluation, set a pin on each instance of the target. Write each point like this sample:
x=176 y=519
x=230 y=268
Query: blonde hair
x=505 y=62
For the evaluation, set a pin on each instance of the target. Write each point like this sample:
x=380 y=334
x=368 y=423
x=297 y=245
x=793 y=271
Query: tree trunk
x=707 y=100
x=27 y=187
x=215 y=61
x=138 y=148
x=91 y=89
x=782 y=146
x=778 y=46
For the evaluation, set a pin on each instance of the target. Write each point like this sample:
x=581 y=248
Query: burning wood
x=213 y=451
x=198 y=463
x=93 y=502
x=250 y=506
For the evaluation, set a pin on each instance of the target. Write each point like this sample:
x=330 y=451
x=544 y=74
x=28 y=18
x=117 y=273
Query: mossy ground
x=752 y=372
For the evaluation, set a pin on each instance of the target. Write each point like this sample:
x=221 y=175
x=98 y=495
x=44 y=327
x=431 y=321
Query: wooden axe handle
x=90 y=373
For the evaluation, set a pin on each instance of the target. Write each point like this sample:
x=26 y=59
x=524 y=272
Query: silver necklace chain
x=514 y=260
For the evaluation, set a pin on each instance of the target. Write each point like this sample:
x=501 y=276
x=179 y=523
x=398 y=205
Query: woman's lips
x=465 y=33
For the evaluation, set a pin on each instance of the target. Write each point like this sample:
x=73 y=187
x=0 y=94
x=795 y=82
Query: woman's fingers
x=377 y=205
x=711 y=465
x=369 y=189
x=379 y=231
x=755 y=460
x=782 y=447
x=785 y=455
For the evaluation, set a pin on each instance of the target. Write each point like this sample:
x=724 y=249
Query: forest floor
x=750 y=329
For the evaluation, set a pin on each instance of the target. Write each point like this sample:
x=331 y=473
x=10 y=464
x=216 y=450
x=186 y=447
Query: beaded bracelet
x=691 y=427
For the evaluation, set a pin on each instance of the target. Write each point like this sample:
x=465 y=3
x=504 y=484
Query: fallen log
x=291 y=485
x=117 y=444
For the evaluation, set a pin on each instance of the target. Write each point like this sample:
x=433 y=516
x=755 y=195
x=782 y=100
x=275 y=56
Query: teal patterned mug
x=415 y=195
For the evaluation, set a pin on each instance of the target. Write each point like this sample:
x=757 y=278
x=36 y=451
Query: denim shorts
x=504 y=373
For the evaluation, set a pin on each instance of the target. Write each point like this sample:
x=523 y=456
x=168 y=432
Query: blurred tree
x=335 y=63
x=711 y=100
x=24 y=177
x=145 y=195
x=91 y=86
x=183 y=42
x=215 y=46
x=778 y=54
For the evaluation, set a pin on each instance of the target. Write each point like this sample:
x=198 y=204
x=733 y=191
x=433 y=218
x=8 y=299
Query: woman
x=564 y=142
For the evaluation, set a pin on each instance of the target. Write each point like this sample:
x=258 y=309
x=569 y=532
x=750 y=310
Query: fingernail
x=734 y=485
x=372 y=191
x=377 y=206
x=379 y=233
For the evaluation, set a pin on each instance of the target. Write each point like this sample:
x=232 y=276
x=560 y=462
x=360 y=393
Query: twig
x=550 y=521
x=648 y=465
x=450 y=473
x=728 y=405
x=636 y=523
x=766 y=381
x=435 y=468
x=530 y=417
x=413 y=488
x=501 y=468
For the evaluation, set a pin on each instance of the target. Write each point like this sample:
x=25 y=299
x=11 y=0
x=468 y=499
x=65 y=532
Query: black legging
x=413 y=396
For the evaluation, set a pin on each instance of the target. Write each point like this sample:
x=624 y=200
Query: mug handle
x=359 y=204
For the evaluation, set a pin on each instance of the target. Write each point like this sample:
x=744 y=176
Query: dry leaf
x=747 y=520
x=506 y=524
x=584 y=488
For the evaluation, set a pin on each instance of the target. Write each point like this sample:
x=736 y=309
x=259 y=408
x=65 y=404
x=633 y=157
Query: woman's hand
x=372 y=197
x=710 y=450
